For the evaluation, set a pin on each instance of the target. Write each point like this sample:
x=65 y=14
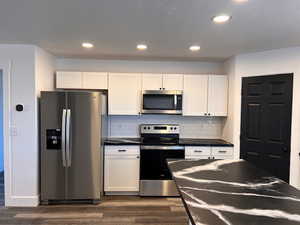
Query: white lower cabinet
x=121 y=169
x=202 y=152
x=222 y=152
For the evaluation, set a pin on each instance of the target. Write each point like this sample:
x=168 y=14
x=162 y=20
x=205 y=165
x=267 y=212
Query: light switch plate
x=13 y=131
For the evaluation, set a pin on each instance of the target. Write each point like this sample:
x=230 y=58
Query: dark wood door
x=266 y=122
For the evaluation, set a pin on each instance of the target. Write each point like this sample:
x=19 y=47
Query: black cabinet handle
x=121 y=150
x=198 y=151
x=222 y=151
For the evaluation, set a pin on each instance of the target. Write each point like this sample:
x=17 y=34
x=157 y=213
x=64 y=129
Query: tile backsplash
x=191 y=127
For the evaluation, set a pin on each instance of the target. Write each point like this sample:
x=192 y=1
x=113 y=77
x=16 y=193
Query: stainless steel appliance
x=159 y=142
x=72 y=124
x=162 y=102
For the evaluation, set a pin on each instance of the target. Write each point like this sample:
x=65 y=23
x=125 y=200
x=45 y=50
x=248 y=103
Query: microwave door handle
x=175 y=101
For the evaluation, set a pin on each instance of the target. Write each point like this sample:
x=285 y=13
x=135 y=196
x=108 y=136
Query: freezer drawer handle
x=63 y=137
x=68 y=137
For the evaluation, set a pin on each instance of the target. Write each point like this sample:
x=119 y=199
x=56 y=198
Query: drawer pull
x=121 y=150
x=222 y=151
x=198 y=151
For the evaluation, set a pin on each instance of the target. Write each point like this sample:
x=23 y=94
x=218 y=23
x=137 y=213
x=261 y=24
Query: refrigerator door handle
x=63 y=137
x=68 y=139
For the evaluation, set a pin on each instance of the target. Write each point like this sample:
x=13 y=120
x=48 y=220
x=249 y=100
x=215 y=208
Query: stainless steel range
x=159 y=142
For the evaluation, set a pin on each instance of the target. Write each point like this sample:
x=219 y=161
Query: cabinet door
x=217 y=95
x=68 y=80
x=124 y=95
x=195 y=95
x=94 y=80
x=121 y=173
x=152 y=81
x=173 y=82
x=222 y=152
x=197 y=152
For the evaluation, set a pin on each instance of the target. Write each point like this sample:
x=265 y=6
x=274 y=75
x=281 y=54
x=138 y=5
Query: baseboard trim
x=22 y=201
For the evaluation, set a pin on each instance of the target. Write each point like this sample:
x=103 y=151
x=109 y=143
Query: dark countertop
x=234 y=192
x=182 y=141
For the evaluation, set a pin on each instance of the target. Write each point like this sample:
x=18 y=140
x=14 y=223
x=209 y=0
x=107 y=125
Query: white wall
x=1 y=123
x=45 y=64
x=22 y=187
x=26 y=63
x=267 y=63
x=139 y=66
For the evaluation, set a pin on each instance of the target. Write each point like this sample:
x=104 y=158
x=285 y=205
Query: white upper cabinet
x=162 y=82
x=81 y=80
x=173 y=82
x=205 y=95
x=124 y=93
x=68 y=80
x=217 y=95
x=195 y=95
x=94 y=80
x=152 y=81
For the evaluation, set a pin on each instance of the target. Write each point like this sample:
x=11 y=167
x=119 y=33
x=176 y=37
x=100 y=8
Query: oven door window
x=154 y=165
x=158 y=102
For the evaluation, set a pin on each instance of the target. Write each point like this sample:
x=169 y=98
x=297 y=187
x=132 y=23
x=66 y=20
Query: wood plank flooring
x=113 y=210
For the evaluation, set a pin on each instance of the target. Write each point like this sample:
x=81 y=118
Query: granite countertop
x=234 y=192
x=182 y=141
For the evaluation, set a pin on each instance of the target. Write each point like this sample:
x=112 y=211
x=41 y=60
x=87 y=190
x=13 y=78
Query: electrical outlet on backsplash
x=190 y=127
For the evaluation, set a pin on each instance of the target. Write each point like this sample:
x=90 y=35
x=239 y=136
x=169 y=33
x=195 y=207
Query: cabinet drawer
x=197 y=151
x=222 y=151
x=122 y=150
x=195 y=157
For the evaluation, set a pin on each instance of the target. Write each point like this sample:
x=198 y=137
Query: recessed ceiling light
x=195 y=48
x=141 y=47
x=241 y=0
x=221 y=18
x=87 y=45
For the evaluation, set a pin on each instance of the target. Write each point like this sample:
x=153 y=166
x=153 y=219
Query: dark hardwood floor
x=111 y=211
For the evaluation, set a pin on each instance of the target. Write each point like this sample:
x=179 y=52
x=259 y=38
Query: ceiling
x=168 y=27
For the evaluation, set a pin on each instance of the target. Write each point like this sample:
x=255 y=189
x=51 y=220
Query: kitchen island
x=234 y=192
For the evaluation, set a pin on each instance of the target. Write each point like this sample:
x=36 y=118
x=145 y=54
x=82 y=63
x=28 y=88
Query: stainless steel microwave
x=162 y=102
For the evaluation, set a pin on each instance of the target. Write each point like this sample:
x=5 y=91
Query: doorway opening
x=1 y=142
x=266 y=123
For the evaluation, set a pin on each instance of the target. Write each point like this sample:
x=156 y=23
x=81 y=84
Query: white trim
x=22 y=201
x=6 y=71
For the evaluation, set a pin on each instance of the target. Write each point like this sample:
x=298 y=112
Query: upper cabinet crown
x=205 y=95
x=162 y=82
x=81 y=80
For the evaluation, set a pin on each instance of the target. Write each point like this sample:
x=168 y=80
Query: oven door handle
x=159 y=147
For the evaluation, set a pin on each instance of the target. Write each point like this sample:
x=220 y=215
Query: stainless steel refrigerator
x=72 y=125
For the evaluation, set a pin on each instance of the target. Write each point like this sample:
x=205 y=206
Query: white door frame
x=5 y=67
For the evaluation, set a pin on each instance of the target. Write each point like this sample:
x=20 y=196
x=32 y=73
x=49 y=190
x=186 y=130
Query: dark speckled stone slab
x=234 y=192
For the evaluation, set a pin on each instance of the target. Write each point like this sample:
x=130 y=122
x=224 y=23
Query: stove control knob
x=175 y=128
